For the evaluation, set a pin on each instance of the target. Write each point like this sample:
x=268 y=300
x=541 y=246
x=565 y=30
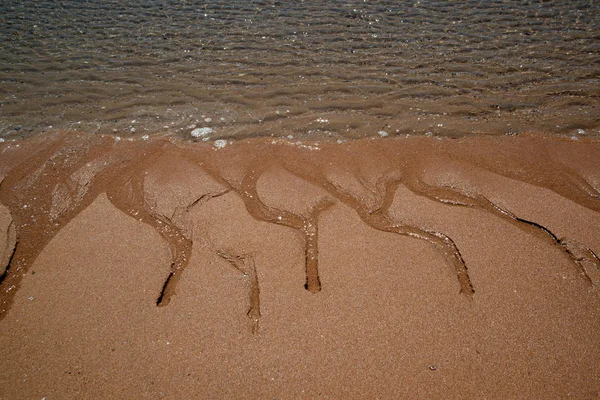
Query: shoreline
x=463 y=267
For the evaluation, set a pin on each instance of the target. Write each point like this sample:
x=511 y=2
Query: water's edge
x=336 y=70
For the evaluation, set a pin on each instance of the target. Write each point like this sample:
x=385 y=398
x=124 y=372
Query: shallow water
x=339 y=69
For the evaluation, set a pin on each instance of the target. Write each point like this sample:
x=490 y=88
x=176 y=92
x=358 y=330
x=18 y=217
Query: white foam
x=219 y=144
x=201 y=132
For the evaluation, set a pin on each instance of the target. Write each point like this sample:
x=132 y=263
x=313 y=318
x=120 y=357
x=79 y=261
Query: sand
x=378 y=268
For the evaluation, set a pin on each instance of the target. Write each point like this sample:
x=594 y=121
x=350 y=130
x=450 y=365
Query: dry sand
x=391 y=268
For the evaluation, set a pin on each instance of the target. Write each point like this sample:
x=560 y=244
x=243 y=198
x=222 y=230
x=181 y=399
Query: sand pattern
x=64 y=177
x=270 y=268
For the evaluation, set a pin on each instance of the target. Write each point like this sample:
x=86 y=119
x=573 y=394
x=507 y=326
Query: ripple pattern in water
x=336 y=69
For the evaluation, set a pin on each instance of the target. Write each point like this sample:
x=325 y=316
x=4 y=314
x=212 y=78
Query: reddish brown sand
x=391 y=268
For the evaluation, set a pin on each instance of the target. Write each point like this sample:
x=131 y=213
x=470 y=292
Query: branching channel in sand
x=577 y=253
x=48 y=189
x=245 y=264
x=380 y=219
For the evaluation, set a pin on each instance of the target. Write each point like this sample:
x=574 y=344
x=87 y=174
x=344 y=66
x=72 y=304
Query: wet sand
x=410 y=267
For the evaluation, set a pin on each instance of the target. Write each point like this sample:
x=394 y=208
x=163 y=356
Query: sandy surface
x=7 y=238
x=392 y=268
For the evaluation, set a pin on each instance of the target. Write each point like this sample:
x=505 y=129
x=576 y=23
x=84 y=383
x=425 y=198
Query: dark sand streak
x=455 y=198
x=245 y=264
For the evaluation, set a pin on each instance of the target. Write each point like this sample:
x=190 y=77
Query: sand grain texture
x=397 y=268
x=8 y=238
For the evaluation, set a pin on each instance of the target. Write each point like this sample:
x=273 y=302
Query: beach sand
x=409 y=268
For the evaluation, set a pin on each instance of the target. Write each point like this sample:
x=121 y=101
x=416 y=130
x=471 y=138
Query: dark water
x=337 y=69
